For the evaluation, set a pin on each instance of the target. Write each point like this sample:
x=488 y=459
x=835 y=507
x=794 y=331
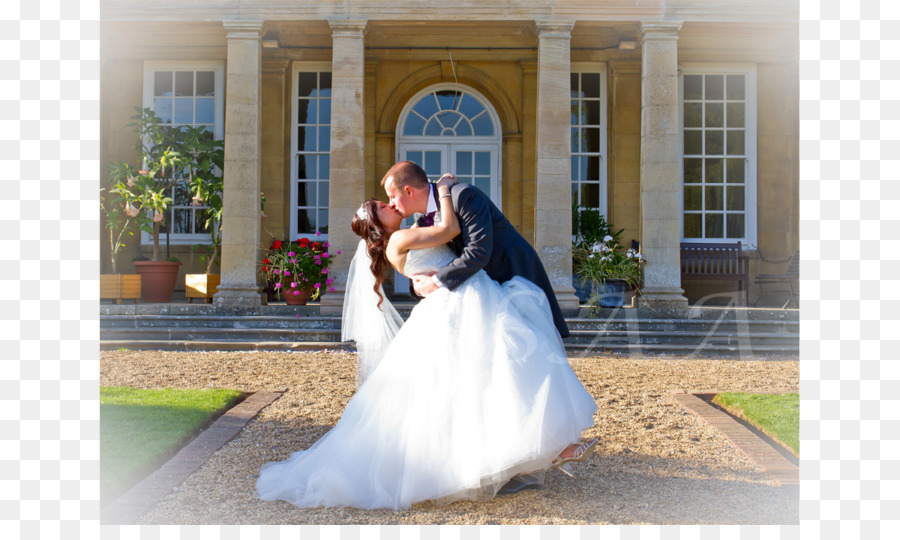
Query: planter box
x=120 y=287
x=201 y=286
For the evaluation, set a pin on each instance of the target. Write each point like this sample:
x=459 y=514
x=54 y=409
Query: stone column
x=529 y=146
x=241 y=226
x=347 y=176
x=553 y=184
x=660 y=154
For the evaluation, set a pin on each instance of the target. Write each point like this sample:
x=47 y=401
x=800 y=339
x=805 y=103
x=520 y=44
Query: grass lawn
x=140 y=429
x=776 y=415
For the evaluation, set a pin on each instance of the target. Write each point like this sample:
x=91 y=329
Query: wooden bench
x=718 y=262
x=791 y=275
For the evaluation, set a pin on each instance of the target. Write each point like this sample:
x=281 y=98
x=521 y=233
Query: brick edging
x=128 y=508
x=751 y=445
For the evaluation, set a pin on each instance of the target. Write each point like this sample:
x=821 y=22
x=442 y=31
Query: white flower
x=597 y=248
x=639 y=257
x=591 y=256
x=607 y=238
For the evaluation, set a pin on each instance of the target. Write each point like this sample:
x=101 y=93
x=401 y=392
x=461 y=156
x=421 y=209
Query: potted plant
x=298 y=270
x=169 y=155
x=588 y=227
x=118 y=224
x=608 y=269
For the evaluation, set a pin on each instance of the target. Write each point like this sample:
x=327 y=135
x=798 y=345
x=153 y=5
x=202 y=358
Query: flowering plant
x=607 y=259
x=298 y=265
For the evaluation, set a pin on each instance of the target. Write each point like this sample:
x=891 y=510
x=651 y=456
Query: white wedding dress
x=474 y=389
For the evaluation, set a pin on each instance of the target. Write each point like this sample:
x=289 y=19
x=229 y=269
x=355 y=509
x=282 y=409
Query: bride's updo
x=367 y=226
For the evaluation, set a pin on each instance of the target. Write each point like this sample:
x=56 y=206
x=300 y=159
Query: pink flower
x=277 y=285
x=318 y=233
x=294 y=285
x=287 y=272
x=325 y=255
x=291 y=253
x=329 y=281
x=317 y=285
x=296 y=293
x=143 y=172
x=338 y=252
x=131 y=182
x=158 y=217
x=325 y=270
x=132 y=211
x=276 y=271
x=330 y=289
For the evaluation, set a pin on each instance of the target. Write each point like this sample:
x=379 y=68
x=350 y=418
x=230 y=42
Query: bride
x=472 y=390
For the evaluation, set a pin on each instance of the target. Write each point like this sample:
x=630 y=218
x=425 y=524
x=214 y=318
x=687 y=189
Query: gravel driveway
x=657 y=463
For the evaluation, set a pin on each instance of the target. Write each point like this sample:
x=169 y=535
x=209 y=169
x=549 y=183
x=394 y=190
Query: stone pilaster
x=660 y=154
x=529 y=153
x=241 y=227
x=553 y=183
x=347 y=176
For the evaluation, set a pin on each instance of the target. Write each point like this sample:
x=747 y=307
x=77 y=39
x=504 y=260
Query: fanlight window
x=448 y=113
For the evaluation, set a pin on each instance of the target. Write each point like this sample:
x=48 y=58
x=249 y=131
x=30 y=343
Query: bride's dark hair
x=372 y=231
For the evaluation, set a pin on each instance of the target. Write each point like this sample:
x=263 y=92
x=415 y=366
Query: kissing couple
x=473 y=394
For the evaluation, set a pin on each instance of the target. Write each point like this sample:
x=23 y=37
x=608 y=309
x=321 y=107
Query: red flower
x=276 y=244
x=265 y=268
x=315 y=245
x=267 y=261
x=303 y=242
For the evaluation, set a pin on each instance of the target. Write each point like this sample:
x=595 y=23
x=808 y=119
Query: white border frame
x=601 y=68
x=296 y=67
x=218 y=68
x=707 y=68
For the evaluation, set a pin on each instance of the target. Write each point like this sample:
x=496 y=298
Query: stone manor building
x=677 y=119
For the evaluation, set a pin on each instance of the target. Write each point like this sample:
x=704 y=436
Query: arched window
x=448 y=113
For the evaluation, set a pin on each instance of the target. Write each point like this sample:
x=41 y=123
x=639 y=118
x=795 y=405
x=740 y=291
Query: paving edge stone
x=128 y=508
x=750 y=444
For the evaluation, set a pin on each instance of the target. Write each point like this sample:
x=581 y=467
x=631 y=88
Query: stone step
x=579 y=337
x=216 y=321
x=666 y=325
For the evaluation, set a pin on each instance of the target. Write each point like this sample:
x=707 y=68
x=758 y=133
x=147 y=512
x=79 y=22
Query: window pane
x=590 y=85
x=484 y=184
x=735 y=198
x=736 y=115
x=579 y=167
x=162 y=83
x=325 y=84
x=426 y=106
x=735 y=172
x=736 y=88
x=693 y=227
x=576 y=140
x=306 y=111
x=415 y=124
x=414 y=156
x=206 y=111
x=693 y=115
x=463 y=128
x=433 y=163
x=184 y=83
x=575 y=88
x=306 y=193
x=324 y=172
x=163 y=109
x=693 y=170
x=592 y=109
x=593 y=170
x=307 y=138
x=433 y=128
x=324 y=111
x=714 y=115
x=693 y=87
x=469 y=106
x=303 y=222
x=713 y=171
x=184 y=111
x=590 y=195
x=576 y=113
x=713 y=200
x=181 y=223
x=306 y=84
x=693 y=198
x=714 y=224
x=322 y=225
x=736 y=225
x=448 y=99
x=693 y=144
x=323 y=194
x=200 y=222
x=735 y=142
x=324 y=139
x=464 y=163
x=483 y=126
x=306 y=167
x=714 y=142
x=483 y=163
x=715 y=87
x=591 y=140
x=206 y=83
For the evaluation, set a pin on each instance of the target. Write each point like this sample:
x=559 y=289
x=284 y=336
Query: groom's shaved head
x=406 y=173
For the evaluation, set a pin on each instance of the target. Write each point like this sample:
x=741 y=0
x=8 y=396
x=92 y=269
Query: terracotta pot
x=157 y=279
x=295 y=300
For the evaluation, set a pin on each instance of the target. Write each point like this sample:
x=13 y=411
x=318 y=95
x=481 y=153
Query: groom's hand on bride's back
x=423 y=284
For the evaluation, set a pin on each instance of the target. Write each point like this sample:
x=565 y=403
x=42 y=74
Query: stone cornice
x=349 y=28
x=559 y=29
x=243 y=29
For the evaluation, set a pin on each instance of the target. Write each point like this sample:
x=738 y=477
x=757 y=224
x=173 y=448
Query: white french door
x=474 y=164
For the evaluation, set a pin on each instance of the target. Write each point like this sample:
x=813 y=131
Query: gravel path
x=657 y=463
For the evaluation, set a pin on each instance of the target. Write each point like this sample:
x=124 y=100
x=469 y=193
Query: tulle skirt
x=474 y=389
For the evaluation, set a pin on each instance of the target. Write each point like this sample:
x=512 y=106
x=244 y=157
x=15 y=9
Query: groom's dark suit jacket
x=488 y=241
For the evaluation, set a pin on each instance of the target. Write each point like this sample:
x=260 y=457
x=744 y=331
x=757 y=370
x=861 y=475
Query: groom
x=487 y=241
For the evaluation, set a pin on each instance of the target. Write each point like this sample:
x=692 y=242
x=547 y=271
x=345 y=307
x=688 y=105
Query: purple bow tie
x=428 y=219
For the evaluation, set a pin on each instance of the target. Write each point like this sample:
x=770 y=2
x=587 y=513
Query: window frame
x=601 y=68
x=750 y=122
x=218 y=69
x=296 y=68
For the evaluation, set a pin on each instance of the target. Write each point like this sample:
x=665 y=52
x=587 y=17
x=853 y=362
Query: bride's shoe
x=579 y=454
